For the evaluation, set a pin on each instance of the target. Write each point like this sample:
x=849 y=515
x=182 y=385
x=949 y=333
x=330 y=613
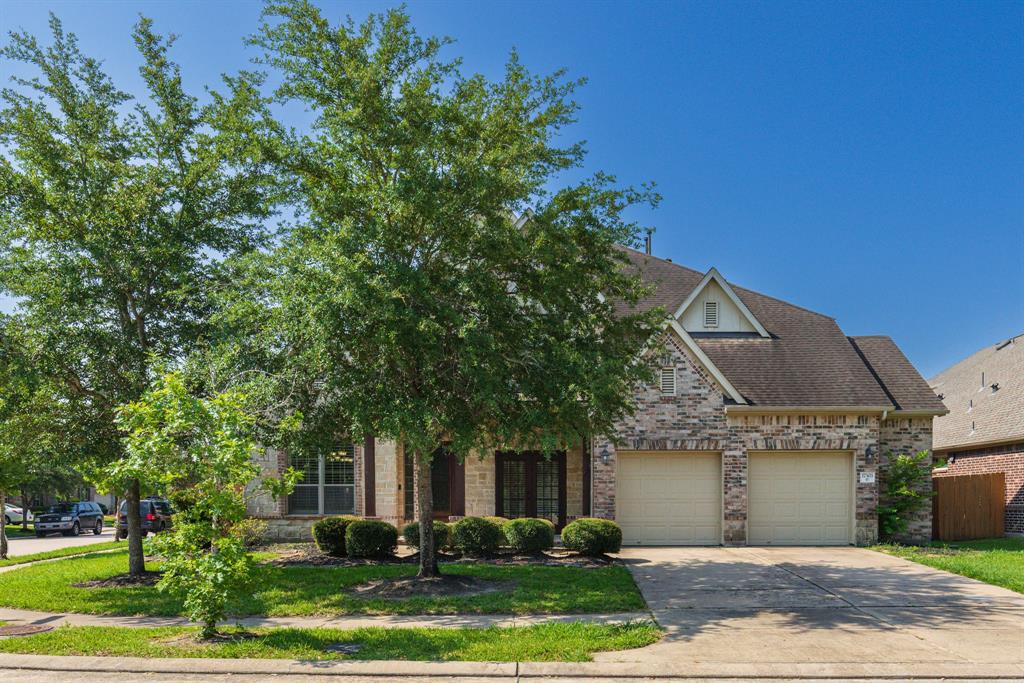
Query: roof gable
x=703 y=359
x=731 y=314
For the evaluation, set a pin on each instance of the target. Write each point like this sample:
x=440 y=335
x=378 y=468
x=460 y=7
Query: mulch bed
x=194 y=639
x=123 y=581
x=444 y=586
x=307 y=555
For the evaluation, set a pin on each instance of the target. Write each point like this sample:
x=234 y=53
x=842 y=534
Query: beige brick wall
x=906 y=436
x=695 y=419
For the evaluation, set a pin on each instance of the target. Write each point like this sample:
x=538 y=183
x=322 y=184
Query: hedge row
x=474 y=536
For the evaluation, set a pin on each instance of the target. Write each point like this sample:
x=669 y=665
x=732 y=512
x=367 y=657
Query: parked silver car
x=12 y=514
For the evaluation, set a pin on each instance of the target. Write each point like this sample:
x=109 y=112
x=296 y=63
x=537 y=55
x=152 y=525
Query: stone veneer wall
x=695 y=420
x=389 y=480
x=1008 y=459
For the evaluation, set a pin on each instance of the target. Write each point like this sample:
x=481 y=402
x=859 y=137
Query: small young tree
x=174 y=440
x=907 y=491
x=434 y=313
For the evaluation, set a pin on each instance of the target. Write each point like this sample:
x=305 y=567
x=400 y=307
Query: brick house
x=766 y=425
x=984 y=429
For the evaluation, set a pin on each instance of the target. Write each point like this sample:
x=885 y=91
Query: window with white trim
x=328 y=485
x=668 y=381
x=710 y=314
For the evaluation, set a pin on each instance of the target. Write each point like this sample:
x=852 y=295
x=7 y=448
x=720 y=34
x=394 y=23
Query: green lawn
x=18 y=532
x=999 y=561
x=543 y=643
x=61 y=552
x=301 y=591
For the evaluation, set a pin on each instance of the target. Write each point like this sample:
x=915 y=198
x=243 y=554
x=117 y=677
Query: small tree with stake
x=436 y=316
x=174 y=439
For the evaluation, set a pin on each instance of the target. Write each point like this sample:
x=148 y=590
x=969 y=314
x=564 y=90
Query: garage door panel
x=669 y=497
x=800 y=498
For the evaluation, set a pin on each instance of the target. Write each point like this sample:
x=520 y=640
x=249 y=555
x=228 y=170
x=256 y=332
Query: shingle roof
x=903 y=384
x=806 y=362
x=977 y=414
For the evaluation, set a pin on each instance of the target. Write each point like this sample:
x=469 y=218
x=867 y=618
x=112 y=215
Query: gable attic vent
x=710 y=314
x=668 y=381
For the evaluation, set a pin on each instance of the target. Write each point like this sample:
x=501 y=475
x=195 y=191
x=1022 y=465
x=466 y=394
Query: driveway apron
x=827 y=605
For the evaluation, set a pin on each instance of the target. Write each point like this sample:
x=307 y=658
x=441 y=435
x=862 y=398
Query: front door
x=527 y=484
x=447 y=485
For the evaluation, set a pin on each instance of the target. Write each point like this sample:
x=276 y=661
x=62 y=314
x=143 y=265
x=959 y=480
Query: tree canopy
x=444 y=280
x=115 y=216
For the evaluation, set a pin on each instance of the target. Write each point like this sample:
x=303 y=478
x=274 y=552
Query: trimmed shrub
x=329 y=534
x=500 y=521
x=442 y=534
x=252 y=532
x=592 y=537
x=530 y=535
x=476 y=536
x=370 y=538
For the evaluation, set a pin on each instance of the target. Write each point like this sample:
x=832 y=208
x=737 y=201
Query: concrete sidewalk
x=18 y=616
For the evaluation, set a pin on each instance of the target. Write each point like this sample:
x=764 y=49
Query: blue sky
x=865 y=160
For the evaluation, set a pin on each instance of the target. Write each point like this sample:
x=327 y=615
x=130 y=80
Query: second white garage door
x=800 y=498
x=669 y=497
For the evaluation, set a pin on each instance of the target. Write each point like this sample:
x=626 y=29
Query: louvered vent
x=710 y=314
x=668 y=381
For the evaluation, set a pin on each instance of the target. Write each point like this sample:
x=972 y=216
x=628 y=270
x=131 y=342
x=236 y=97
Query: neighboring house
x=765 y=425
x=984 y=430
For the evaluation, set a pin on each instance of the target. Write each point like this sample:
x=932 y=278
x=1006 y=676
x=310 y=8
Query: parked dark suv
x=70 y=519
x=155 y=514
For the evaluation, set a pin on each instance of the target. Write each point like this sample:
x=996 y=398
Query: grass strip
x=998 y=561
x=555 y=642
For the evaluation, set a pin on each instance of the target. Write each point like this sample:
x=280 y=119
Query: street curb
x=523 y=670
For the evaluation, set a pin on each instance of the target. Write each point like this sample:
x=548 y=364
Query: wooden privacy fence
x=968 y=506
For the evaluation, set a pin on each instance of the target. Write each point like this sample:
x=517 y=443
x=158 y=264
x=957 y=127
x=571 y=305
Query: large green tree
x=115 y=216
x=447 y=283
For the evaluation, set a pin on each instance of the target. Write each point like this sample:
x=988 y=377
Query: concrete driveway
x=820 y=605
x=28 y=545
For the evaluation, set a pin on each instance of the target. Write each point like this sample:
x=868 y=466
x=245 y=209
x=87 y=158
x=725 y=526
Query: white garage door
x=669 y=497
x=800 y=498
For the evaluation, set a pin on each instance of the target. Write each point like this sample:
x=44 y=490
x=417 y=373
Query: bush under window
x=477 y=536
x=530 y=535
x=370 y=538
x=329 y=534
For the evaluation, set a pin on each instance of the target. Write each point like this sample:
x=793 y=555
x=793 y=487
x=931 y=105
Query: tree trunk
x=425 y=501
x=136 y=557
x=3 y=525
x=24 y=509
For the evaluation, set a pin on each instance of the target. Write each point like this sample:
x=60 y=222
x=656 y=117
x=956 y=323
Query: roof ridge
x=663 y=260
x=874 y=373
x=731 y=284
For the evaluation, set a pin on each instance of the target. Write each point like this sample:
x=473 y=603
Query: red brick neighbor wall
x=1009 y=459
x=695 y=420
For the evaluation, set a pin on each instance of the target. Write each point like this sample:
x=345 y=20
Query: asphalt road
x=28 y=545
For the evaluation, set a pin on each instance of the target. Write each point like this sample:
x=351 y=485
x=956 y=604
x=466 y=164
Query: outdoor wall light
x=869 y=455
x=605 y=455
